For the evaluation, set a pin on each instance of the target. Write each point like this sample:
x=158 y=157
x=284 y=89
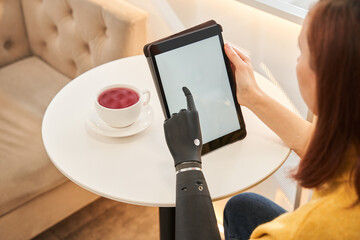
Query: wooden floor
x=107 y=220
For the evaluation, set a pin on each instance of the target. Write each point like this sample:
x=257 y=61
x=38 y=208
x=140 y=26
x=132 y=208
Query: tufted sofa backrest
x=74 y=36
x=13 y=40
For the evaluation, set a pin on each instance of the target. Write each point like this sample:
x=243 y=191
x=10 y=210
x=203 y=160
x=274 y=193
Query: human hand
x=183 y=133
x=246 y=86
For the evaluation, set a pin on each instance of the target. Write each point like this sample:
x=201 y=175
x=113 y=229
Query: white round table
x=139 y=169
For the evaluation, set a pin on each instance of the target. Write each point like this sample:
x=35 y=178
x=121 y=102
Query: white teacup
x=120 y=108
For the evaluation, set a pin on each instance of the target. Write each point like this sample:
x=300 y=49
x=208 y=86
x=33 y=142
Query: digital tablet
x=195 y=58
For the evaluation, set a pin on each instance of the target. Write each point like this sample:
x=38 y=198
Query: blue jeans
x=244 y=212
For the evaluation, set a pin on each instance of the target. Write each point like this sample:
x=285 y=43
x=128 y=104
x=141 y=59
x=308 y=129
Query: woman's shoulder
x=332 y=213
x=331 y=217
x=328 y=216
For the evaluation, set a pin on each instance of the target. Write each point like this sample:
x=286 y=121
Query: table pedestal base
x=167 y=223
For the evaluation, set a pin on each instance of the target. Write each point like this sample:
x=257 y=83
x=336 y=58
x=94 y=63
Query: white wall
x=270 y=41
x=162 y=20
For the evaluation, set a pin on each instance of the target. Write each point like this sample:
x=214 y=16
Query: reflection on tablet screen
x=200 y=67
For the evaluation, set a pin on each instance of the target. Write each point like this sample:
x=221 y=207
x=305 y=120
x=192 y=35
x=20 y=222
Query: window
x=292 y=10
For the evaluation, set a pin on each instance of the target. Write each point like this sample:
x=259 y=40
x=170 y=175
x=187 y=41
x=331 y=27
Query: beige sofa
x=43 y=45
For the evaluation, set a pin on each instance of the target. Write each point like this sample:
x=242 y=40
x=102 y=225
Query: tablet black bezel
x=151 y=50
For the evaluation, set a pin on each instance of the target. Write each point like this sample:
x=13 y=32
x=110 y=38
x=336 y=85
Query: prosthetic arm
x=195 y=216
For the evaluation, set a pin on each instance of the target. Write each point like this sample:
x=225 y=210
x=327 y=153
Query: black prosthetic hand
x=183 y=134
x=195 y=216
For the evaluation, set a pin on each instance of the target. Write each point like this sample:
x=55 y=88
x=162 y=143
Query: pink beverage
x=118 y=98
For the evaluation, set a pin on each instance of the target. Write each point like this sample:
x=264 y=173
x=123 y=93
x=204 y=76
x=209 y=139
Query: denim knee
x=242 y=203
x=244 y=212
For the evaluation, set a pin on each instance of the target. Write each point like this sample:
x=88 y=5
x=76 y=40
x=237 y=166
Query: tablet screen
x=200 y=67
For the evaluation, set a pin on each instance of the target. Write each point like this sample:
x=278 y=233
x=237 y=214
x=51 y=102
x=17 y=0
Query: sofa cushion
x=13 y=39
x=26 y=88
x=32 y=83
x=75 y=36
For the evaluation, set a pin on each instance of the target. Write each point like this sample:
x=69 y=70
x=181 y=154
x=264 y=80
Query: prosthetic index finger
x=189 y=99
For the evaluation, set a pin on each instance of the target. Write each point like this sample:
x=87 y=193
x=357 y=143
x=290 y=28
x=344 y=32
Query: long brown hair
x=334 y=42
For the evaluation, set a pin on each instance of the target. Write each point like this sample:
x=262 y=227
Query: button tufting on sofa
x=43 y=44
x=104 y=30
x=72 y=63
x=55 y=28
x=87 y=47
x=71 y=13
x=8 y=44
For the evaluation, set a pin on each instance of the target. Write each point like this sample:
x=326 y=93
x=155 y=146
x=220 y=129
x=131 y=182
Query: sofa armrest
x=75 y=36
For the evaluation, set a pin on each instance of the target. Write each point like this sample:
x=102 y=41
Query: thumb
x=233 y=56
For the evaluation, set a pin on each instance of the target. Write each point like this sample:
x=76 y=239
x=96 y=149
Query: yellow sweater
x=328 y=215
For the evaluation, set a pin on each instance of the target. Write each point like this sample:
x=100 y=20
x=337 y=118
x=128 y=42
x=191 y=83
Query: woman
x=328 y=72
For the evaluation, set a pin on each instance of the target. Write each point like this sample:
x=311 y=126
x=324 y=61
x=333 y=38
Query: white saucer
x=94 y=123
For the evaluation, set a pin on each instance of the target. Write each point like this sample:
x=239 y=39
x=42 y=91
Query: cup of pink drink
x=120 y=105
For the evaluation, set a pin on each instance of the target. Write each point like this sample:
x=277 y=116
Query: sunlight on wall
x=268 y=39
x=270 y=76
x=283 y=200
x=221 y=230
